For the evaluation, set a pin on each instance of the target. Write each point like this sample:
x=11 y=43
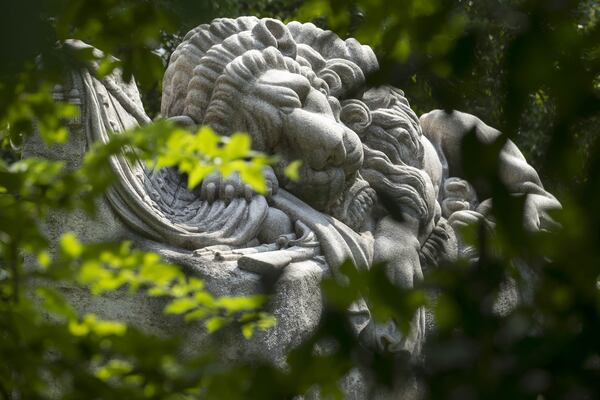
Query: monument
x=300 y=92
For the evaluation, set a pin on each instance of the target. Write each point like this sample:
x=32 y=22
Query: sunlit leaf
x=199 y=313
x=198 y=173
x=241 y=303
x=55 y=303
x=44 y=259
x=108 y=328
x=238 y=146
x=78 y=328
x=113 y=368
x=254 y=178
x=292 y=170
x=215 y=323
x=180 y=306
x=206 y=141
x=70 y=245
x=248 y=330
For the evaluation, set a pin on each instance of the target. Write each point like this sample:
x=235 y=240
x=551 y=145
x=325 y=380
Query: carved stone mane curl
x=330 y=46
x=390 y=108
x=188 y=55
x=201 y=58
x=195 y=90
x=236 y=80
x=394 y=153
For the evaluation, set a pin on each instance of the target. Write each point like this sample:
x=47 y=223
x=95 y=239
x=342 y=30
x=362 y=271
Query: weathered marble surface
x=300 y=93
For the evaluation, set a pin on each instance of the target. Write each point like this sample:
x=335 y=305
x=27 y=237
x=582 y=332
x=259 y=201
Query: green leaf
x=198 y=173
x=215 y=323
x=248 y=330
x=44 y=259
x=236 y=304
x=55 y=302
x=199 y=313
x=114 y=368
x=159 y=274
x=204 y=298
x=292 y=170
x=90 y=323
x=109 y=328
x=78 y=328
x=255 y=178
x=206 y=142
x=180 y=306
x=237 y=147
x=231 y=167
x=70 y=245
x=158 y=291
x=402 y=48
x=266 y=321
x=195 y=284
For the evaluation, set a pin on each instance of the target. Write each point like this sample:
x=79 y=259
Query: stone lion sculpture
x=300 y=92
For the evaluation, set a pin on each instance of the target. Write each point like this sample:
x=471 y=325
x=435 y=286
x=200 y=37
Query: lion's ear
x=356 y=115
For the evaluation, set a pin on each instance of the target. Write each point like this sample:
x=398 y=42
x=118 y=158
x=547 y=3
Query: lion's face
x=295 y=119
x=291 y=117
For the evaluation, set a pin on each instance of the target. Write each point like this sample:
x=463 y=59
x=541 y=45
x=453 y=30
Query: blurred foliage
x=531 y=68
x=508 y=62
x=204 y=152
x=528 y=67
x=48 y=349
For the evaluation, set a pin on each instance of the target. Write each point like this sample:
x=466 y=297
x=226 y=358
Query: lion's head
x=262 y=81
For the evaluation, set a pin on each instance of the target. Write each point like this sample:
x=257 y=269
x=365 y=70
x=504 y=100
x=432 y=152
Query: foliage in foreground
x=502 y=54
x=45 y=343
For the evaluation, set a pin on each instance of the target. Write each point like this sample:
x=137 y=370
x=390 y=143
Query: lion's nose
x=326 y=148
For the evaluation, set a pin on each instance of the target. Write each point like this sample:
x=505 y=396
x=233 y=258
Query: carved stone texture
x=377 y=183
